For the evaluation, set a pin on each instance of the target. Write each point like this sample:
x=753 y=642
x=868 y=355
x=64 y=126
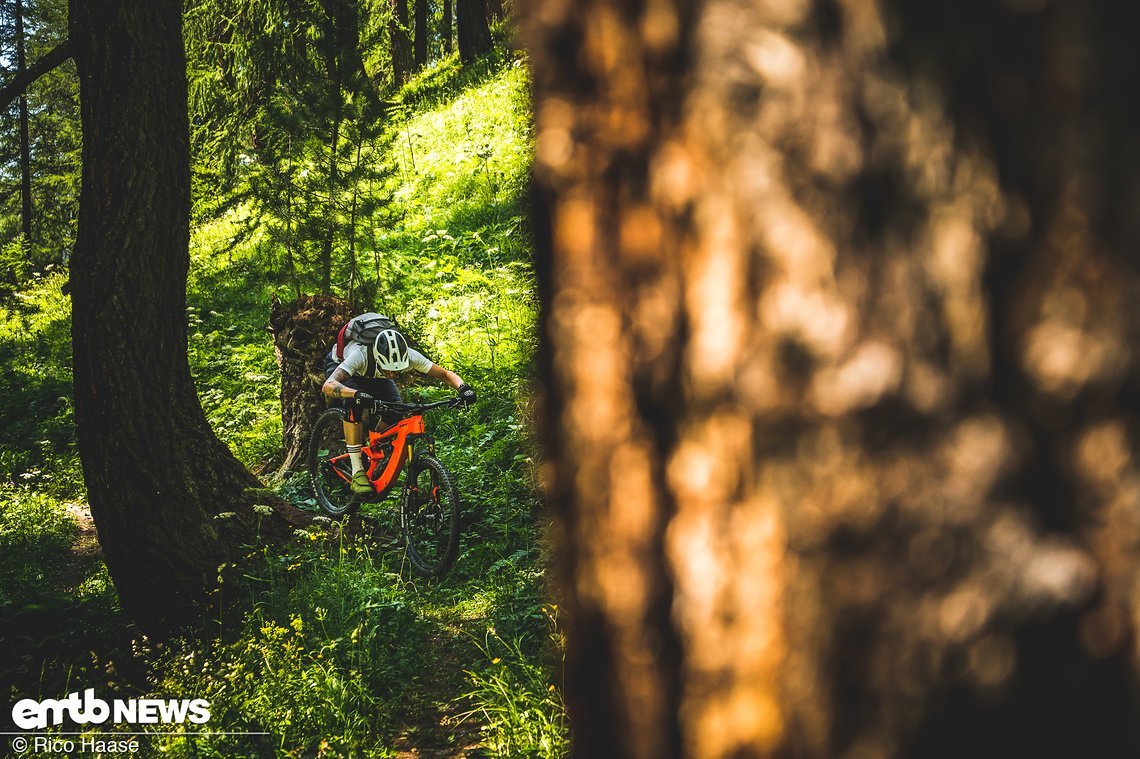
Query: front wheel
x=330 y=470
x=429 y=516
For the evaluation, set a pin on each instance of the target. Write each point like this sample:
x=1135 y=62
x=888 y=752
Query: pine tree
x=41 y=139
x=400 y=41
x=25 y=149
x=447 y=28
x=283 y=117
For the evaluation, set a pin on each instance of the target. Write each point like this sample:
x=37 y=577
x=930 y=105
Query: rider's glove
x=362 y=397
x=466 y=394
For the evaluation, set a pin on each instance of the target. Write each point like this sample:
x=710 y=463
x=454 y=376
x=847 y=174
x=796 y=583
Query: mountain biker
x=347 y=384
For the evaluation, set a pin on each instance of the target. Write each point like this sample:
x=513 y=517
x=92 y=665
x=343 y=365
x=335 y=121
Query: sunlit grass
x=516 y=699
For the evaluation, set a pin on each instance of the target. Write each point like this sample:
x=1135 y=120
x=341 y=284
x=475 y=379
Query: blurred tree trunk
x=472 y=30
x=421 y=38
x=400 y=42
x=156 y=475
x=303 y=331
x=840 y=374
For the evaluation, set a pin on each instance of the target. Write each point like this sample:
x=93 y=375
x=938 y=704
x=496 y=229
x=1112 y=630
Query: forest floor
x=432 y=724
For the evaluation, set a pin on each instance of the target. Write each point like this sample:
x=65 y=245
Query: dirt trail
x=84 y=552
x=434 y=729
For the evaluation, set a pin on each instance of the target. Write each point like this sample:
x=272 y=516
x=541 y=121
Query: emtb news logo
x=29 y=714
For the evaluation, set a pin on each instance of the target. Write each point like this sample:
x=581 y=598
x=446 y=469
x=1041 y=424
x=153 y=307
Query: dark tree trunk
x=353 y=273
x=303 y=331
x=290 y=235
x=421 y=40
x=25 y=142
x=331 y=206
x=474 y=34
x=334 y=188
x=840 y=374
x=494 y=11
x=334 y=46
x=156 y=475
x=447 y=31
x=400 y=42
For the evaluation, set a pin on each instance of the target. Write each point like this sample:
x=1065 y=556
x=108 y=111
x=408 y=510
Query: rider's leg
x=353 y=428
x=353 y=439
x=353 y=434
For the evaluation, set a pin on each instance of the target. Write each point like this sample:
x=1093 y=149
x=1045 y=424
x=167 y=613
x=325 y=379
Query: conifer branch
x=19 y=84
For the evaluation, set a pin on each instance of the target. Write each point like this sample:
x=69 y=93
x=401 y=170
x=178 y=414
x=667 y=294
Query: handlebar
x=411 y=409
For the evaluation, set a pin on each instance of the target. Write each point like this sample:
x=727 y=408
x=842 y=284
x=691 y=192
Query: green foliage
x=15 y=265
x=54 y=141
x=453 y=267
x=286 y=116
x=37 y=428
x=520 y=708
x=56 y=603
x=338 y=654
x=238 y=383
x=35 y=535
x=318 y=662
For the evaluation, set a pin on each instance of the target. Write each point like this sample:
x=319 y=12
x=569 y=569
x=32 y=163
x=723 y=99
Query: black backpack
x=362 y=329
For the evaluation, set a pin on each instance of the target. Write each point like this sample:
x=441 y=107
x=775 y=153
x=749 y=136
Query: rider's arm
x=448 y=376
x=334 y=386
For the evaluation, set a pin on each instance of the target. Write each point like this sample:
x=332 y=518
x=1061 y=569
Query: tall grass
x=516 y=699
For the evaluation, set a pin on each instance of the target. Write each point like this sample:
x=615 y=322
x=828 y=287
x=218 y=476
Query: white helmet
x=391 y=351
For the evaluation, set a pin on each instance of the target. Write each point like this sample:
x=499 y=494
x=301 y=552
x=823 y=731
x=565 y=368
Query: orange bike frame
x=382 y=470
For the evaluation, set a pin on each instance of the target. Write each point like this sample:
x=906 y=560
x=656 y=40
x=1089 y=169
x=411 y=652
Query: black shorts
x=380 y=388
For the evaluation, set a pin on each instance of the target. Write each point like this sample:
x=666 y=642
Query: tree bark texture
x=471 y=28
x=421 y=35
x=839 y=373
x=332 y=204
x=25 y=141
x=447 y=29
x=401 y=43
x=156 y=475
x=303 y=331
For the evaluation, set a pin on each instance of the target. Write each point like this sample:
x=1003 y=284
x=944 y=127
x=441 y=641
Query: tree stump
x=303 y=331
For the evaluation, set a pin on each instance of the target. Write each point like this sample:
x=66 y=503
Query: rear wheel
x=329 y=465
x=429 y=516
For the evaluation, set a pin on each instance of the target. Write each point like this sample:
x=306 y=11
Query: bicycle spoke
x=330 y=469
x=430 y=517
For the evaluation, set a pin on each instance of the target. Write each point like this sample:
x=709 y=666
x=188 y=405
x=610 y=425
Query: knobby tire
x=333 y=494
x=429 y=516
